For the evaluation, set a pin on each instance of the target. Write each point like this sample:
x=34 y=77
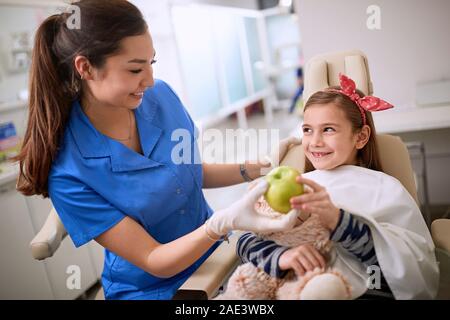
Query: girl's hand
x=316 y=200
x=301 y=259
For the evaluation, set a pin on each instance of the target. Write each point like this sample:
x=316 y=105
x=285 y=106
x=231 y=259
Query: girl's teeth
x=319 y=154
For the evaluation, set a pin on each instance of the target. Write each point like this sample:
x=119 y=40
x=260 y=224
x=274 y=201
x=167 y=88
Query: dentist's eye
x=136 y=71
x=153 y=61
x=329 y=129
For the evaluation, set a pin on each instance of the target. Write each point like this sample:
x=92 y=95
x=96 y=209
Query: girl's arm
x=355 y=236
x=263 y=254
x=352 y=234
x=223 y=175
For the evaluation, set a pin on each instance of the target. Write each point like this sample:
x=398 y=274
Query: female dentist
x=98 y=143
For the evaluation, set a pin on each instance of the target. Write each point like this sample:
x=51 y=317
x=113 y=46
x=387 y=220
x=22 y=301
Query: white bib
x=403 y=244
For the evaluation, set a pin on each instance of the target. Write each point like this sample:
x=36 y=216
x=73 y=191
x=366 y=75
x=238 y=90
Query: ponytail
x=48 y=112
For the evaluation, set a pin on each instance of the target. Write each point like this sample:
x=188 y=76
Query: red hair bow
x=367 y=103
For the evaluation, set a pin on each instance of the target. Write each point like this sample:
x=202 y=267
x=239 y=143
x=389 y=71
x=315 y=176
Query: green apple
x=282 y=187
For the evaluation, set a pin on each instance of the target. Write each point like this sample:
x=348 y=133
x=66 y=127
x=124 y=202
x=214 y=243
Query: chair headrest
x=322 y=71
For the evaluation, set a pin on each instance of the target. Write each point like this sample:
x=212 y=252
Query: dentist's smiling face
x=121 y=81
x=328 y=139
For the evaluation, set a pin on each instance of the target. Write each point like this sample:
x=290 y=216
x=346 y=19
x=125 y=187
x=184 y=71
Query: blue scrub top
x=96 y=181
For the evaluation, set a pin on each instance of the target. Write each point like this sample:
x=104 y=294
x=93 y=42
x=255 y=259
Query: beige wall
x=412 y=46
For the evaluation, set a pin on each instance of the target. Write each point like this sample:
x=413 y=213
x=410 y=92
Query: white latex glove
x=243 y=216
x=277 y=155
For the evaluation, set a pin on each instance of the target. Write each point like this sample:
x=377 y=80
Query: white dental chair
x=320 y=72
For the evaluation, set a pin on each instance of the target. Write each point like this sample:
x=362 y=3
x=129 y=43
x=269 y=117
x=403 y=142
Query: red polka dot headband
x=367 y=103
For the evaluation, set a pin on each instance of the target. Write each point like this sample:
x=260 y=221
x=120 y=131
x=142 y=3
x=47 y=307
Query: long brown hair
x=54 y=82
x=368 y=156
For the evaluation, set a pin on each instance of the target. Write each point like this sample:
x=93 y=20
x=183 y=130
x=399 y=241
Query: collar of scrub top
x=93 y=144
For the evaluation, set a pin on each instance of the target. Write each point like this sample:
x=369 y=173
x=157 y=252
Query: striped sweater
x=352 y=234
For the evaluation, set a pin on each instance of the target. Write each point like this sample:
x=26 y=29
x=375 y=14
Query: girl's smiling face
x=328 y=137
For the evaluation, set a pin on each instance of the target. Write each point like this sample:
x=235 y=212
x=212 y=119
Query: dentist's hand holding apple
x=242 y=216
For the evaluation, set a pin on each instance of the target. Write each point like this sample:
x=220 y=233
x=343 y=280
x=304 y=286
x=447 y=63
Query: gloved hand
x=277 y=155
x=243 y=216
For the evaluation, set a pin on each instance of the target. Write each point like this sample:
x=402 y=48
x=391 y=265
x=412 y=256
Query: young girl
x=372 y=219
x=98 y=143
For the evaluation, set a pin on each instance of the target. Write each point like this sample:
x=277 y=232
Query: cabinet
x=21 y=276
x=65 y=257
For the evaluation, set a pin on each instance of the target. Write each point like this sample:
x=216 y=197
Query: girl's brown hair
x=367 y=156
x=54 y=82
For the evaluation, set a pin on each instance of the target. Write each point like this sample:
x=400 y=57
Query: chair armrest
x=443 y=258
x=48 y=239
x=206 y=281
x=440 y=231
